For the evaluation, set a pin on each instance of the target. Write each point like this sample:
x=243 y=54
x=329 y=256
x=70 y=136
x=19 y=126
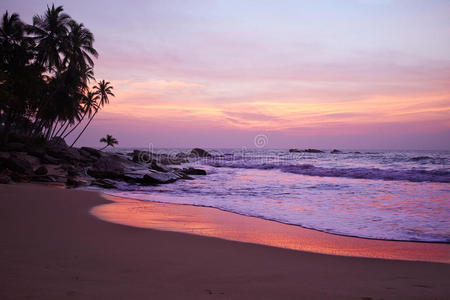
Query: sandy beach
x=52 y=247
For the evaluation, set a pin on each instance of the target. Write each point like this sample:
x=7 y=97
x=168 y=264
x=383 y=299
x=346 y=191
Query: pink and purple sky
x=367 y=74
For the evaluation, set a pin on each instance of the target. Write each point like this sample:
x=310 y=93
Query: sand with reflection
x=216 y=223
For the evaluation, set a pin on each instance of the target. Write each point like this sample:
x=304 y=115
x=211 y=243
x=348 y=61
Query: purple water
x=395 y=195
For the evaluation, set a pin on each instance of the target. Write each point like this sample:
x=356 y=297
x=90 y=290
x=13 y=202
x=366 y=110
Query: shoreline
x=232 y=226
x=52 y=247
x=106 y=195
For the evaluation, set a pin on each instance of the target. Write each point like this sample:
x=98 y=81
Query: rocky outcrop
x=59 y=163
x=335 y=151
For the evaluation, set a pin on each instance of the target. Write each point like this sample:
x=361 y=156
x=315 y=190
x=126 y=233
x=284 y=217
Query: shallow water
x=394 y=195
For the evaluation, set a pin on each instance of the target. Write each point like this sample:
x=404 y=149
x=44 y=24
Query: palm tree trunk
x=71 y=130
x=65 y=128
x=90 y=120
x=55 y=125
x=62 y=125
x=103 y=148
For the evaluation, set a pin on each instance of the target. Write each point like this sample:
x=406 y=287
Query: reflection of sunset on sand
x=53 y=248
x=216 y=223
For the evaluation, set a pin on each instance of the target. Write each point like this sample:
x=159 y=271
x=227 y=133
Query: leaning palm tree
x=109 y=140
x=89 y=104
x=103 y=89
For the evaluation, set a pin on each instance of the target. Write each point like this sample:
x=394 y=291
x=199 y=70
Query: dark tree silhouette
x=109 y=140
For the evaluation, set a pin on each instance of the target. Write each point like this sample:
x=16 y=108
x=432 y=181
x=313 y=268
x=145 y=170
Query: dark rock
x=42 y=170
x=4 y=179
x=194 y=171
x=171 y=160
x=19 y=177
x=71 y=154
x=71 y=171
x=335 y=151
x=93 y=152
x=107 y=167
x=418 y=158
x=142 y=156
x=105 y=183
x=18 y=164
x=43 y=178
x=159 y=178
x=198 y=152
x=306 y=150
x=57 y=144
x=37 y=152
x=15 y=147
x=86 y=157
x=48 y=159
x=313 y=151
x=154 y=166
x=357 y=152
x=71 y=182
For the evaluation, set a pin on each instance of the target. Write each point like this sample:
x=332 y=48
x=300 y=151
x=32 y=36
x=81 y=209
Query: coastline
x=214 y=222
x=53 y=247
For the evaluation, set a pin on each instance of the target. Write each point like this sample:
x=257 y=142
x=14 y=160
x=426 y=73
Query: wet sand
x=213 y=222
x=52 y=248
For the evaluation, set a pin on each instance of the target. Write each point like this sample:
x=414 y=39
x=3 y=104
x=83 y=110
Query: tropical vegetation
x=109 y=140
x=47 y=84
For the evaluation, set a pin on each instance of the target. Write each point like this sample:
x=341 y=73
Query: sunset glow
x=359 y=74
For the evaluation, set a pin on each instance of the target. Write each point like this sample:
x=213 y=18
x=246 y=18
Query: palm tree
x=79 y=47
x=89 y=106
x=19 y=78
x=109 y=140
x=50 y=32
x=104 y=90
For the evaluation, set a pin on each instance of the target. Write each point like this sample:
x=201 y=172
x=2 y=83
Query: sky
x=354 y=74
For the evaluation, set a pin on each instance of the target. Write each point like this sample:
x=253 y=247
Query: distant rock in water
x=306 y=151
x=335 y=151
x=417 y=158
x=198 y=152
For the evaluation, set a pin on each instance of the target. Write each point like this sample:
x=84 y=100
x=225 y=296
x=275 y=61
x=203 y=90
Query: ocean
x=391 y=195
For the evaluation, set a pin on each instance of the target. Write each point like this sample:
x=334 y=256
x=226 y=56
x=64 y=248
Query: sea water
x=393 y=195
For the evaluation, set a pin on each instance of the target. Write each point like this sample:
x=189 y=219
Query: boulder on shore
x=104 y=183
x=159 y=178
x=107 y=167
x=91 y=151
x=335 y=151
x=42 y=170
x=4 y=179
x=18 y=164
x=193 y=171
